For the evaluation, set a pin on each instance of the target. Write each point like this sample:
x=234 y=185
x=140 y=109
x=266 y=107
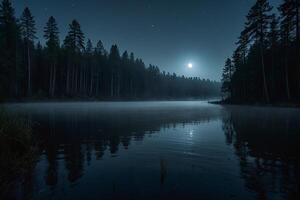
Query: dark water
x=162 y=150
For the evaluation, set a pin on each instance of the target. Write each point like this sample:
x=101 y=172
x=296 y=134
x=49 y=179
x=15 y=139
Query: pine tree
x=9 y=63
x=40 y=76
x=286 y=39
x=114 y=55
x=273 y=44
x=52 y=43
x=74 y=44
x=257 y=29
x=89 y=65
x=114 y=59
x=227 y=78
x=89 y=47
x=51 y=34
x=290 y=24
x=125 y=57
x=101 y=57
x=75 y=39
x=273 y=34
x=239 y=60
x=132 y=57
x=290 y=16
x=100 y=48
x=28 y=32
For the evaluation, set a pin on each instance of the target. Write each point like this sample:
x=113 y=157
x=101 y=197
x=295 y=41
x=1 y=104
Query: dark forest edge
x=265 y=67
x=76 y=69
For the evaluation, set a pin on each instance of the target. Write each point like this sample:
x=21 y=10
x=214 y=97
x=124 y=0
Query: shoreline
x=103 y=100
x=271 y=105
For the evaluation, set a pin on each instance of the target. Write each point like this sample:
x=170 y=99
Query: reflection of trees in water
x=266 y=142
x=81 y=139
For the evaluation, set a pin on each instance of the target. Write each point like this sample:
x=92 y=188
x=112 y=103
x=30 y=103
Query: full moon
x=190 y=65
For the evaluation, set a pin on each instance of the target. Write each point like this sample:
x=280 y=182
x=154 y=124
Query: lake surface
x=161 y=150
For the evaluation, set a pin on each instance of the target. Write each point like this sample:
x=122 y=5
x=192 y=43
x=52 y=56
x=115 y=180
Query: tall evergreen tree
x=257 y=27
x=28 y=31
x=52 y=45
x=227 y=78
x=101 y=58
x=125 y=57
x=41 y=74
x=114 y=59
x=89 y=47
x=9 y=37
x=89 y=65
x=74 y=44
x=100 y=48
x=290 y=16
x=239 y=58
x=273 y=45
x=290 y=24
x=286 y=39
x=273 y=34
x=74 y=41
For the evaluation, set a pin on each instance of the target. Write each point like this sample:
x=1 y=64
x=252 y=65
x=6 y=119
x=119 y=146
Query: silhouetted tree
x=52 y=46
x=257 y=29
x=74 y=45
x=9 y=60
x=28 y=32
x=114 y=59
x=273 y=45
x=227 y=77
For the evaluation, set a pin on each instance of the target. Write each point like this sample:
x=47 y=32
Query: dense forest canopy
x=77 y=68
x=265 y=67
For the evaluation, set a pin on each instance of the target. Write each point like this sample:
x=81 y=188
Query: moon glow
x=190 y=65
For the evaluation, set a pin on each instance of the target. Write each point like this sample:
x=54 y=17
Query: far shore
x=257 y=104
x=64 y=100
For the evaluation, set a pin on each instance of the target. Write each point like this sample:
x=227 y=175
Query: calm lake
x=161 y=150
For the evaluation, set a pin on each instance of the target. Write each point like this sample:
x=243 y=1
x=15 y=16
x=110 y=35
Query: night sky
x=167 y=33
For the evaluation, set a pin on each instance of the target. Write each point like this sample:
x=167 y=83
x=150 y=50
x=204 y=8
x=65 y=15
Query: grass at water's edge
x=17 y=150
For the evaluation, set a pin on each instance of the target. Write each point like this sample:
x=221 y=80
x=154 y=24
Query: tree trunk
x=119 y=85
x=112 y=85
x=76 y=81
x=68 y=80
x=72 y=80
x=80 y=80
x=29 y=70
x=91 y=83
x=298 y=45
x=273 y=87
x=266 y=92
x=287 y=84
x=50 y=81
x=54 y=80
x=297 y=24
x=97 y=85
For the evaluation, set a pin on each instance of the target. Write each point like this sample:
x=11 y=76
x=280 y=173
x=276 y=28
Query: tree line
x=77 y=68
x=265 y=66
